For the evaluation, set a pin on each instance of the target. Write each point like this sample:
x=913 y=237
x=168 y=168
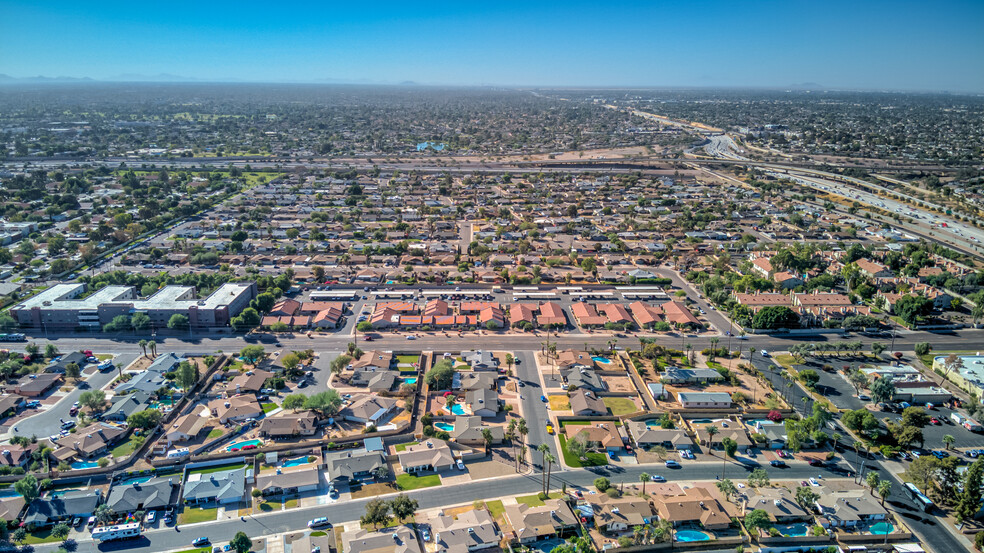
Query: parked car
x=425 y=534
x=816 y=463
x=460 y=465
x=320 y=521
x=765 y=353
x=778 y=463
x=199 y=542
x=671 y=464
x=151 y=517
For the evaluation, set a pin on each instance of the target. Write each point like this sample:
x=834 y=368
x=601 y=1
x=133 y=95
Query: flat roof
x=169 y=297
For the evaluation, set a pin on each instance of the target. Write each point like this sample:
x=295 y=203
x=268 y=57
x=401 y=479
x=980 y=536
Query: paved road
x=534 y=410
x=165 y=539
x=48 y=421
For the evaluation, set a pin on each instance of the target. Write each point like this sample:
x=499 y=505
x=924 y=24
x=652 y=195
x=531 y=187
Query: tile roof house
x=13 y=455
x=586 y=403
x=235 y=409
x=469 y=531
x=156 y=493
x=399 y=539
x=553 y=518
x=187 y=426
x=126 y=405
x=583 y=377
x=373 y=379
x=34 y=387
x=480 y=360
x=468 y=430
x=646 y=436
x=47 y=511
x=225 y=486
x=780 y=503
x=353 y=465
x=598 y=435
x=89 y=441
x=290 y=482
x=483 y=402
x=848 y=508
x=11 y=507
x=674 y=375
x=432 y=455
x=695 y=505
x=370 y=409
x=736 y=434
x=622 y=513
x=289 y=425
x=472 y=380
x=373 y=358
x=249 y=381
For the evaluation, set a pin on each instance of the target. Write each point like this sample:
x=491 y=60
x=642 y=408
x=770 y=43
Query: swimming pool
x=882 y=528
x=240 y=445
x=411 y=380
x=135 y=480
x=447 y=427
x=421 y=146
x=797 y=529
x=691 y=535
x=77 y=465
x=701 y=421
x=59 y=493
x=9 y=492
x=456 y=409
x=598 y=359
x=295 y=462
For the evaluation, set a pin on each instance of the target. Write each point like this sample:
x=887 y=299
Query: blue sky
x=859 y=44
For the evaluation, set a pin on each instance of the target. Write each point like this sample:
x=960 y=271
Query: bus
x=918 y=497
x=117 y=532
x=13 y=338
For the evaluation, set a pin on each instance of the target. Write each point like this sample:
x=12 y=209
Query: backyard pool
x=882 y=528
x=84 y=465
x=295 y=462
x=424 y=145
x=691 y=535
x=135 y=480
x=701 y=421
x=247 y=443
x=546 y=546
x=456 y=409
x=9 y=492
x=798 y=529
x=59 y=493
x=447 y=427
x=411 y=380
x=598 y=359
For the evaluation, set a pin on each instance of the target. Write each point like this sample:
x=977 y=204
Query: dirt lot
x=619 y=384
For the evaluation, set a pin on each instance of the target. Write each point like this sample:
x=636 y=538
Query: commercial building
x=65 y=306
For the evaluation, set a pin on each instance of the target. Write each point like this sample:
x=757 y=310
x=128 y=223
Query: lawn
x=928 y=358
x=403 y=447
x=559 y=403
x=215 y=433
x=496 y=508
x=593 y=459
x=267 y=407
x=535 y=501
x=620 y=405
x=40 y=536
x=104 y=356
x=268 y=506
x=125 y=449
x=218 y=468
x=191 y=515
x=292 y=503
x=408 y=359
x=318 y=534
x=411 y=482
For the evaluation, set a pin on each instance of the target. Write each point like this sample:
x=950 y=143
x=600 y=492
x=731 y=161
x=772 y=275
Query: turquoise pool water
x=436 y=145
x=295 y=462
x=9 y=492
x=411 y=380
x=798 y=529
x=456 y=409
x=597 y=359
x=240 y=445
x=691 y=535
x=882 y=528
x=59 y=493
x=447 y=427
x=135 y=480
x=701 y=421
x=84 y=465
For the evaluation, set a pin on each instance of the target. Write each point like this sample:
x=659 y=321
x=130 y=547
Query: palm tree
x=948 y=440
x=550 y=460
x=711 y=431
x=487 y=438
x=153 y=347
x=544 y=449
x=644 y=477
x=449 y=403
x=143 y=346
x=884 y=490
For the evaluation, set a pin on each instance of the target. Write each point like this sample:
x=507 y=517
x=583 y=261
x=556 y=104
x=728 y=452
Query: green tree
x=757 y=519
x=28 y=488
x=403 y=506
x=948 y=440
x=775 y=317
x=911 y=308
x=377 y=512
x=60 y=531
x=728 y=488
x=758 y=478
x=882 y=390
x=178 y=322
x=143 y=346
x=146 y=419
x=602 y=484
x=884 y=490
x=872 y=480
x=50 y=351
x=187 y=375
x=290 y=361
x=877 y=348
x=806 y=498
x=730 y=446
x=140 y=321
x=809 y=378
x=94 y=400
x=923 y=348
x=339 y=363
x=241 y=542
x=969 y=499
x=577 y=446
x=265 y=302
x=364 y=326
x=326 y=403
x=294 y=401
x=252 y=354
x=441 y=375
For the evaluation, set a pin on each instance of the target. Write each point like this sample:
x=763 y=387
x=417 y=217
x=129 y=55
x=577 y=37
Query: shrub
x=602 y=483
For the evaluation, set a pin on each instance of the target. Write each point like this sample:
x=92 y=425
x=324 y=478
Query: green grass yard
x=218 y=468
x=267 y=407
x=215 y=433
x=592 y=459
x=534 y=500
x=125 y=449
x=619 y=406
x=411 y=482
x=408 y=359
x=191 y=515
x=40 y=536
x=496 y=508
x=403 y=447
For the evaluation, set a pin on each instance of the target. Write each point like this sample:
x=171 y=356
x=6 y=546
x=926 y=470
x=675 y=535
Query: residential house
x=47 y=511
x=780 y=503
x=474 y=381
x=13 y=455
x=225 y=486
x=399 y=539
x=432 y=455
x=704 y=400
x=126 y=405
x=482 y=402
x=597 y=435
x=37 y=386
x=187 y=427
x=618 y=514
x=248 y=382
x=370 y=409
x=848 y=508
x=65 y=360
x=156 y=493
x=646 y=436
x=377 y=359
x=468 y=430
x=552 y=519
x=717 y=441
x=91 y=441
x=480 y=360
x=472 y=530
x=290 y=482
x=586 y=403
x=696 y=506
x=675 y=375
x=289 y=425
x=373 y=379
x=235 y=409
x=582 y=377
x=354 y=465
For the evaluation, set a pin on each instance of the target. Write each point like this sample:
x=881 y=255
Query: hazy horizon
x=871 y=46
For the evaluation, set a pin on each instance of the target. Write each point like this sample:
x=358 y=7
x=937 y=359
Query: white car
x=320 y=521
x=657 y=478
x=461 y=465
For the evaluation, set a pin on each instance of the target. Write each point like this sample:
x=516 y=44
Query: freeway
x=164 y=539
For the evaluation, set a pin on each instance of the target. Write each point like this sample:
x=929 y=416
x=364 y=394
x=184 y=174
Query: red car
x=934 y=421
